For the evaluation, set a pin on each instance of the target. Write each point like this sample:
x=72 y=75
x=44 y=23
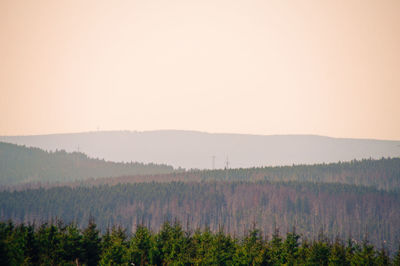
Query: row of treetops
x=58 y=244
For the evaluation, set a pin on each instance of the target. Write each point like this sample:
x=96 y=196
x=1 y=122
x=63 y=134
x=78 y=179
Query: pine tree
x=71 y=244
x=338 y=254
x=396 y=260
x=319 y=254
x=223 y=249
x=49 y=240
x=204 y=247
x=382 y=257
x=91 y=244
x=276 y=249
x=32 y=246
x=364 y=255
x=291 y=247
x=140 y=247
x=116 y=252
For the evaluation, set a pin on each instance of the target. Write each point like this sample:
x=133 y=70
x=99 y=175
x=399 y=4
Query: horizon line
x=194 y=131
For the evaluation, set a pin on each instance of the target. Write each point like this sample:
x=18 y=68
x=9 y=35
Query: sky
x=259 y=67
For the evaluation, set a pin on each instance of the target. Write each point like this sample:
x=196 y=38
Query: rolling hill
x=19 y=164
x=346 y=199
x=191 y=149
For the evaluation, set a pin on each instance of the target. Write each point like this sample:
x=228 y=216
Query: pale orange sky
x=263 y=67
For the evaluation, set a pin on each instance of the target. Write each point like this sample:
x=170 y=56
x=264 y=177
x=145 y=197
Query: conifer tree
x=365 y=255
x=276 y=248
x=71 y=244
x=319 y=253
x=140 y=247
x=396 y=260
x=338 y=254
x=91 y=243
x=116 y=252
x=291 y=247
x=382 y=257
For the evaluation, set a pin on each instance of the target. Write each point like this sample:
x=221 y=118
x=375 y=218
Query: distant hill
x=19 y=164
x=382 y=174
x=190 y=149
x=339 y=199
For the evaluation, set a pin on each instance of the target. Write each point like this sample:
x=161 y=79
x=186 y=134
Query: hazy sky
x=262 y=67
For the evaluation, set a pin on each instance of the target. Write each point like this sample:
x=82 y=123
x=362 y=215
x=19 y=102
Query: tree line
x=56 y=243
x=383 y=174
x=336 y=209
x=33 y=167
x=20 y=164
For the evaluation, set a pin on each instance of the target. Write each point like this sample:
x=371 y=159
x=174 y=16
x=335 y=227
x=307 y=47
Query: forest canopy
x=348 y=200
x=59 y=244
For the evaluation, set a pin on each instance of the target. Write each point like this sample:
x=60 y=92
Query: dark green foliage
x=276 y=249
x=382 y=257
x=71 y=244
x=141 y=249
x=319 y=253
x=338 y=254
x=252 y=251
x=173 y=246
x=91 y=241
x=222 y=249
x=49 y=237
x=32 y=246
x=115 y=251
x=337 y=208
x=291 y=248
x=364 y=255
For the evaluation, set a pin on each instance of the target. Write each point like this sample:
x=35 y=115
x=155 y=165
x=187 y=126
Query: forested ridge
x=382 y=174
x=355 y=200
x=20 y=164
x=336 y=209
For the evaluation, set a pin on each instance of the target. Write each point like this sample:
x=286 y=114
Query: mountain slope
x=336 y=209
x=190 y=149
x=20 y=164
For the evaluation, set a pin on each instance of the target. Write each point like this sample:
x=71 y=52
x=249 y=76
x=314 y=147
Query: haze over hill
x=341 y=199
x=191 y=149
x=20 y=164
